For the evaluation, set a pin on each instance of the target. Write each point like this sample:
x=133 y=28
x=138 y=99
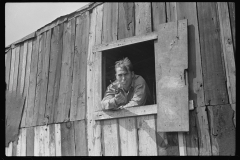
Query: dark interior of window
x=142 y=57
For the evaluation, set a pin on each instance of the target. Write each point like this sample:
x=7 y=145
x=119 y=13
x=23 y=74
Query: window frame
x=131 y=111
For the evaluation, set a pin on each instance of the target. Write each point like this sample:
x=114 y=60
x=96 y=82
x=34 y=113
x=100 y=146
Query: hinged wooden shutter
x=171 y=62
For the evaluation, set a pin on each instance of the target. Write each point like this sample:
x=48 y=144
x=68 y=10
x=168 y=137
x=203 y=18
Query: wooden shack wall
x=50 y=70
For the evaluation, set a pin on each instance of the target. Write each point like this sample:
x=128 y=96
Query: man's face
x=124 y=77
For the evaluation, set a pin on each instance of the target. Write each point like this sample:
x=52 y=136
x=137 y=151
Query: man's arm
x=108 y=101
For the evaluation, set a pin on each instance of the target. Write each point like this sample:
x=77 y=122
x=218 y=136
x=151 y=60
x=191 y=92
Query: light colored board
x=110 y=127
x=19 y=143
x=171 y=80
x=67 y=139
x=110 y=138
x=215 y=89
x=41 y=141
x=158 y=14
x=14 y=149
x=20 y=68
x=10 y=85
x=128 y=137
x=126 y=19
x=181 y=143
x=127 y=112
x=36 y=140
x=52 y=145
x=58 y=139
x=66 y=73
x=58 y=66
x=228 y=54
x=40 y=80
x=23 y=142
x=147 y=136
x=30 y=141
x=46 y=137
x=8 y=57
x=94 y=91
x=23 y=67
x=171 y=11
x=142 y=18
x=80 y=138
x=8 y=150
x=125 y=41
x=44 y=78
x=16 y=63
x=203 y=132
x=32 y=83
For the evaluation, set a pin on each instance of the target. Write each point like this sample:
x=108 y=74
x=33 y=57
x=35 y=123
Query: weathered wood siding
x=57 y=72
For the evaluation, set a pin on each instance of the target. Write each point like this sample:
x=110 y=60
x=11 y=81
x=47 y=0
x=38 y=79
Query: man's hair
x=125 y=63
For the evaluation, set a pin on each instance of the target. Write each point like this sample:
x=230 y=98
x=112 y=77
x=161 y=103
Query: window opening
x=142 y=57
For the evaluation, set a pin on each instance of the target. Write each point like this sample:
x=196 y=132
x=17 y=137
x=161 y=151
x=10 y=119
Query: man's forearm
x=109 y=103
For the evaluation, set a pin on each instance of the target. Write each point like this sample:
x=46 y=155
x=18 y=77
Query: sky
x=21 y=19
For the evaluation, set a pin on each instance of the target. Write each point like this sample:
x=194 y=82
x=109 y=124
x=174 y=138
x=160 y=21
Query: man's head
x=124 y=72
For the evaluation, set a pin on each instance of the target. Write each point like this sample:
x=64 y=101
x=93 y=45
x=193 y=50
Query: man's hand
x=120 y=98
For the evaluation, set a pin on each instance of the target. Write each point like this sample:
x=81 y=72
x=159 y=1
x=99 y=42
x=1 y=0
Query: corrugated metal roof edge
x=55 y=22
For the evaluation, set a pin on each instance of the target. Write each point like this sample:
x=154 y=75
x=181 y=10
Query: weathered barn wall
x=55 y=68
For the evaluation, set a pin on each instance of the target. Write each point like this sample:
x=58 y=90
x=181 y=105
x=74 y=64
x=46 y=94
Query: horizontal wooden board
x=125 y=42
x=127 y=112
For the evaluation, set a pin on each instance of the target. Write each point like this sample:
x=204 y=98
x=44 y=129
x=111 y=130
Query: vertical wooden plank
x=228 y=54
x=32 y=83
x=158 y=14
x=26 y=86
x=94 y=91
x=58 y=139
x=67 y=139
x=22 y=80
x=109 y=33
x=203 y=132
x=127 y=126
x=23 y=142
x=46 y=140
x=66 y=72
x=128 y=137
x=171 y=11
x=144 y=25
x=232 y=14
x=30 y=141
x=188 y=11
x=213 y=75
x=147 y=136
x=142 y=18
x=126 y=19
x=39 y=84
x=8 y=57
x=10 y=86
x=223 y=134
x=44 y=78
x=14 y=148
x=110 y=138
x=58 y=73
x=16 y=63
x=19 y=143
x=80 y=138
x=83 y=48
x=52 y=145
x=36 y=140
x=19 y=67
x=23 y=67
x=9 y=149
